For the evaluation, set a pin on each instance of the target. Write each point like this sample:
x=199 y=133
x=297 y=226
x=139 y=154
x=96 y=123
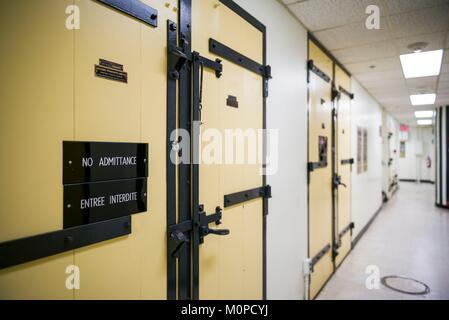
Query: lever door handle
x=220 y=232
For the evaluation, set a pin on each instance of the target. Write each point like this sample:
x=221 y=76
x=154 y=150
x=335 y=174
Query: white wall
x=287 y=112
x=366 y=187
x=414 y=166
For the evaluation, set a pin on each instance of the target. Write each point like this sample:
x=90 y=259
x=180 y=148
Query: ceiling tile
x=435 y=41
x=444 y=77
x=380 y=65
x=443 y=90
x=379 y=84
x=369 y=52
x=350 y=35
x=400 y=6
x=324 y=14
x=446 y=56
x=445 y=68
x=425 y=21
x=443 y=84
x=381 y=75
x=422 y=85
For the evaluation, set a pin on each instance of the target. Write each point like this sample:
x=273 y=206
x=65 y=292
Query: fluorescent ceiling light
x=423 y=99
x=424 y=114
x=422 y=64
x=425 y=122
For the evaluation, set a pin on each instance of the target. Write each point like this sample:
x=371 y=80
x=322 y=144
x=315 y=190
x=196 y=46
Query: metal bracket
x=176 y=60
x=136 y=9
x=205 y=220
x=335 y=93
x=235 y=57
x=177 y=238
x=312 y=166
x=346 y=230
x=319 y=256
x=23 y=250
x=346 y=92
x=347 y=161
x=247 y=195
x=312 y=67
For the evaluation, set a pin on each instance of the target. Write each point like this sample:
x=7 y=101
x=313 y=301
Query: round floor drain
x=406 y=285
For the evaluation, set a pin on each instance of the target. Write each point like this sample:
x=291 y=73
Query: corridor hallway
x=410 y=238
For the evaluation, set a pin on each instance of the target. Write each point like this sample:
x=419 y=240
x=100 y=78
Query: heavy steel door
x=216 y=242
x=231 y=265
x=53 y=95
x=343 y=165
x=320 y=167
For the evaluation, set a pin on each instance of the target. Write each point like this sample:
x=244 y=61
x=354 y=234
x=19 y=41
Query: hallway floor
x=410 y=237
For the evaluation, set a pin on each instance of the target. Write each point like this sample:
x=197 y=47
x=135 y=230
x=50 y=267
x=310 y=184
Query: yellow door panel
x=343 y=152
x=131 y=267
x=230 y=266
x=36 y=116
x=320 y=184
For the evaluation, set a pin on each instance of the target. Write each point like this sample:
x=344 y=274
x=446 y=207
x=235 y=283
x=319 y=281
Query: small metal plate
x=93 y=202
x=101 y=161
x=232 y=101
x=111 y=70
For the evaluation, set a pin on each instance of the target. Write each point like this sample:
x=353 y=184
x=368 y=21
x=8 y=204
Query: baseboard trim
x=366 y=227
x=414 y=180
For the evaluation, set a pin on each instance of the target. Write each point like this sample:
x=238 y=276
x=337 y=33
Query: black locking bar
x=312 y=67
x=32 y=248
x=320 y=255
x=243 y=196
x=136 y=9
x=346 y=92
x=346 y=230
x=239 y=59
x=347 y=161
x=312 y=166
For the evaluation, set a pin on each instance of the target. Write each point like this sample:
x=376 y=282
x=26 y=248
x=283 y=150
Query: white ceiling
x=340 y=26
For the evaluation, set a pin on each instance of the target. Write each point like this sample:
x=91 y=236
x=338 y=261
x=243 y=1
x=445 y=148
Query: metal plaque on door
x=103 y=180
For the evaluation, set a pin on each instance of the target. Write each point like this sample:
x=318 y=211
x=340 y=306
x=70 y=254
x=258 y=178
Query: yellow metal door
x=36 y=116
x=230 y=267
x=343 y=164
x=320 y=167
x=53 y=95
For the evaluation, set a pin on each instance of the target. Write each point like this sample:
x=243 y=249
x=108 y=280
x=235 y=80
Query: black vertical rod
x=264 y=177
x=184 y=196
x=196 y=121
x=170 y=166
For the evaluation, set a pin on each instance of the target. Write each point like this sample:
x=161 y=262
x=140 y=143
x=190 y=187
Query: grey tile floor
x=410 y=237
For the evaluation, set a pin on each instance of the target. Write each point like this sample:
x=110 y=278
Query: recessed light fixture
x=425 y=122
x=423 y=99
x=418 y=46
x=422 y=64
x=424 y=114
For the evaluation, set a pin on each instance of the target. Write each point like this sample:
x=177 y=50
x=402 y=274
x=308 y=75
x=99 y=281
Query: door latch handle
x=218 y=232
x=337 y=181
x=205 y=220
